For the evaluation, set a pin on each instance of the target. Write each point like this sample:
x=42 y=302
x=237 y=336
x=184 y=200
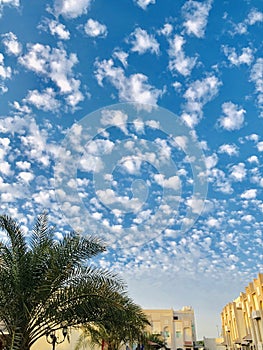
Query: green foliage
x=124 y=325
x=153 y=341
x=46 y=283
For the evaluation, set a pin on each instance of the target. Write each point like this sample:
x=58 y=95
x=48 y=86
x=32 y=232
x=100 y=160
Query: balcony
x=256 y=315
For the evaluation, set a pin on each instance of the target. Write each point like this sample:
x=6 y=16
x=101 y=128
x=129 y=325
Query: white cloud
x=23 y=165
x=122 y=57
x=43 y=100
x=71 y=8
x=246 y=57
x=144 y=3
x=247 y=218
x=260 y=146
x=233 y=118
x=196 y=15
x=6 y=168
x=253 y=159
x=11 y=44
x=143 y=42
x=33 y=140
x=55 y=28
x=254 y=17
x=249 y=194
x=256 y=76
x=134 y=88
x=15 y=3
x=166 y=30
x=211 y=161
x=131 y=164
x=114 y=117
x=99 y=147
x=109 y=197
x=238 y=172
x=212 y=222
x=55 y=64
x=95 y=29
x=172 y=182
x=252 y=137
x=26 y=176
x=196 y=205
x=197 y=95
x=231 y=150
x=178 y=61
x=5 y=73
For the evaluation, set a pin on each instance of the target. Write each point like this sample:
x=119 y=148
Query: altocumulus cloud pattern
x=140 y=121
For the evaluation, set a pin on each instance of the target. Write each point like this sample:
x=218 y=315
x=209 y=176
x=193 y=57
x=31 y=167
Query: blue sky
x=140 y=121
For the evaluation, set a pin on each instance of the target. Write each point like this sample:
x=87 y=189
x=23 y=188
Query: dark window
x=175 y=317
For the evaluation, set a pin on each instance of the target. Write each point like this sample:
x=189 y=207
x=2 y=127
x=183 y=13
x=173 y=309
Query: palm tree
x=153 y=341
x=123 y=326
x=46 y=284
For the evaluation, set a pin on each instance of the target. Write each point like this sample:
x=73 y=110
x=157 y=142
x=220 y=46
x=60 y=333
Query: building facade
x=176 y=327
x=242 y=319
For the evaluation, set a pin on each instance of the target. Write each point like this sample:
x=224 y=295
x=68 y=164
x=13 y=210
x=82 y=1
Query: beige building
x=176 y=327
x=213 y=344
x=242 y=319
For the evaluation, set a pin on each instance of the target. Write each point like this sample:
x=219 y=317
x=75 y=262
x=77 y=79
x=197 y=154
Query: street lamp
x=53 y=338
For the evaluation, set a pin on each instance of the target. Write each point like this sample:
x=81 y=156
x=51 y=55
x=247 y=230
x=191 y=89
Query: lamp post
x=53 y=338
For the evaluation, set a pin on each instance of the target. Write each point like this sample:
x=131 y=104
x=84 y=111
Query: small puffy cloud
x=231 y=150
x=95 y=29
x=55 y=64
x=211 y=161
x=233 y=118
x=143 y=42
x=212 y=222
x=166 y=30
x=253 y=159
x=197 y=95
x=14 y=3
x=134 y=88
x=109 y=197
x=238 y=172
x=43 y=100
x=256 y=76
x=247 y=218
x=196 y=15
x=177 y=86
x=196 y=205
x=12 y=46
x=172 y=182
x=55 y=28
x=246 y=57
x=144 y=3
x=5 y=73
x=116 y=118
x=5 y=168
x=99 y=147
x=132 y=165
x=260 y=146
x=26 y=176
x=249 y=194
x=178 y=61
x=71 y=8
x=23 y=165
x=122 y=57
x=254 y=17
x=252 y=137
